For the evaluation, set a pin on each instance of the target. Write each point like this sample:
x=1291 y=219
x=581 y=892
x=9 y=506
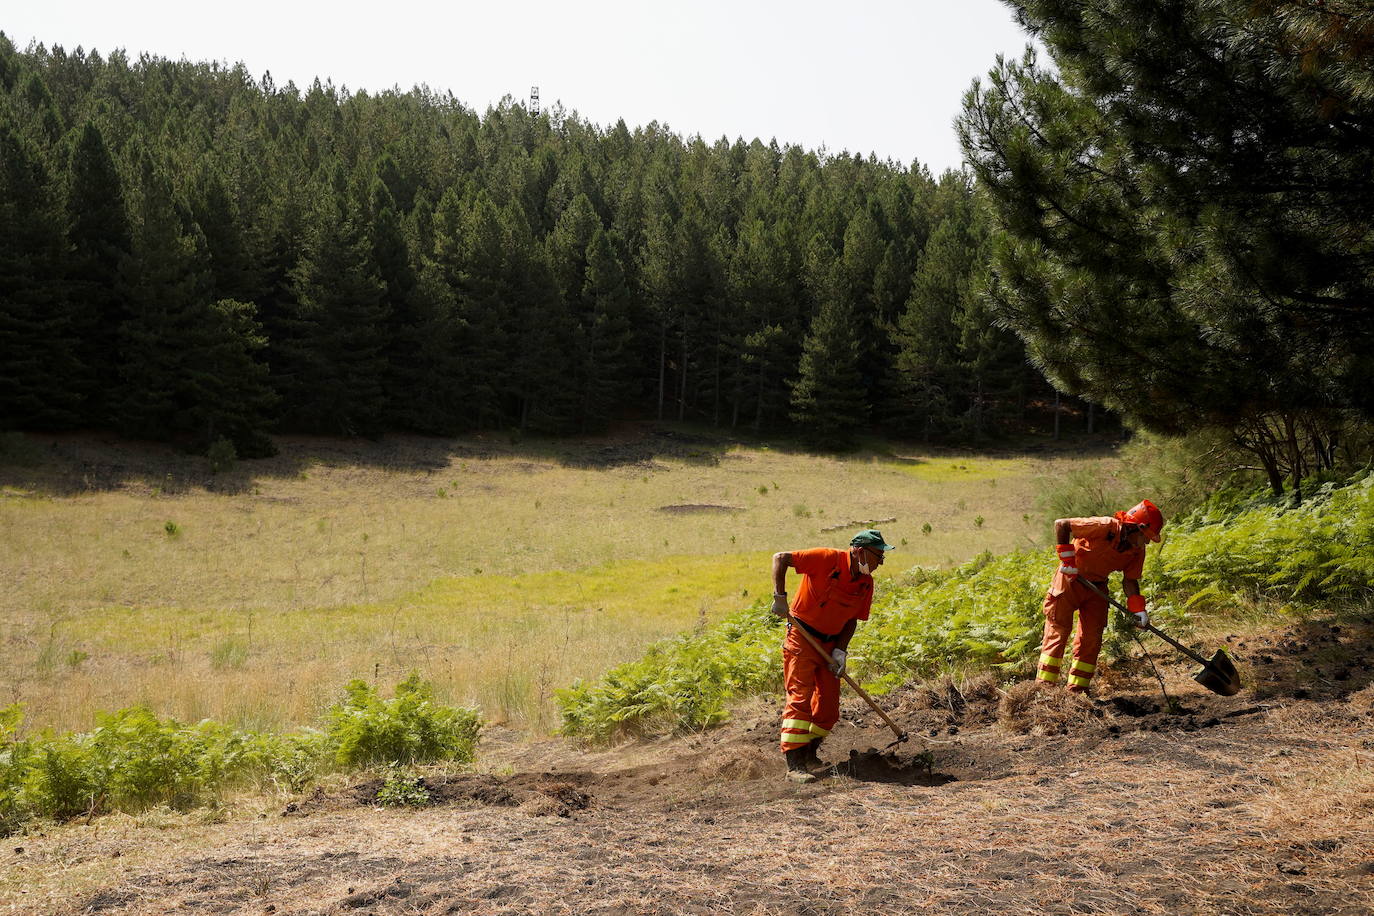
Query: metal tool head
x=900 y=738
x=1219 y=675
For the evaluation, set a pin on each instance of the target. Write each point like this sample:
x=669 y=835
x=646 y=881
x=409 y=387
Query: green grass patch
x=939 y=469
x=134 y=759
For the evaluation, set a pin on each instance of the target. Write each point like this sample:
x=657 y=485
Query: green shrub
x=1319 y=550
x=133 y=759
x=222 y=455
x=680 y=683
x=402 y=790
x=410 y=728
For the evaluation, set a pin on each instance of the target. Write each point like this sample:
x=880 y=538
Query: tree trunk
x=1297 y=463
x=682 y=379
x=762 y=383
x=662 y=364
x=715 y=407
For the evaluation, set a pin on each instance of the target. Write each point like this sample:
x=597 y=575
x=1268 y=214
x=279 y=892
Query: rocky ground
x=1004 y=800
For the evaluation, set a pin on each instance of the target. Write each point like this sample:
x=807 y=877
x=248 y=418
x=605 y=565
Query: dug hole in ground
x=1007 y=799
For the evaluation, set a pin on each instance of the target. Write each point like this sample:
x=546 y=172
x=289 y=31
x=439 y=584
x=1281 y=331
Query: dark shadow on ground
x=69 y=464
x=889 y=767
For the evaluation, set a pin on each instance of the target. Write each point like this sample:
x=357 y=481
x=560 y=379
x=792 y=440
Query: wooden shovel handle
x=847 y=679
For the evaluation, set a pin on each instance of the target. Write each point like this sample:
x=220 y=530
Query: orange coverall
x=828 y=598
x=1095 y=541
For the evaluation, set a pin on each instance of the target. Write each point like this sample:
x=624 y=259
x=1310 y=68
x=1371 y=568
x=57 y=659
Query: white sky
x=883 y=77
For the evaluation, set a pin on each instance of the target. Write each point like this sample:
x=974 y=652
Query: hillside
x=1258 y=803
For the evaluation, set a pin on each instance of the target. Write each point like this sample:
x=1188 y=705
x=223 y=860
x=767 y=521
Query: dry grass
x=499 y=572
x=1269 y=815
x=1032 y=708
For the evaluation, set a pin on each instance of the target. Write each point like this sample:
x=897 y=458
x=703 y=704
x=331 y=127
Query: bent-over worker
x=1090 y=550
x=836 y=592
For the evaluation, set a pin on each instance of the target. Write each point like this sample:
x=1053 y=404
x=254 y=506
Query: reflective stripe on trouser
x=1087 y=643
x=1080 y=673
x=813 y=693
x=1049 y=668
x=796 y=732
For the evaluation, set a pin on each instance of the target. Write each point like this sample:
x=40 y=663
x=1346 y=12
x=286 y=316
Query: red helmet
x=1147 y=515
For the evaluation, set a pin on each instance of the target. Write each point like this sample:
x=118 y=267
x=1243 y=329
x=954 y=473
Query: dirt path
x=1035 y=803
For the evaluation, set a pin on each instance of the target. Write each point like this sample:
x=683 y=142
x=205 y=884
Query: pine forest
x=194 y=255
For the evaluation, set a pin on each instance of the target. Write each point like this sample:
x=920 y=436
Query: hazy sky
x=881 y=77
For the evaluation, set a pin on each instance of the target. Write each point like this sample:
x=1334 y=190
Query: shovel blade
x=1219 y=675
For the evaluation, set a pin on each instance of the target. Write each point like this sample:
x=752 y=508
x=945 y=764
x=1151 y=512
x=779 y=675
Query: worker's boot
x=812 y=759
x=796 y=765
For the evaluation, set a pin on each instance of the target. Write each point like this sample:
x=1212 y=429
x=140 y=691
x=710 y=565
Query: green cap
x=872 y=539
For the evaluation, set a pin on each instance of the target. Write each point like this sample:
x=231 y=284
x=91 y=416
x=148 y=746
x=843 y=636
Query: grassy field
x=498 y=570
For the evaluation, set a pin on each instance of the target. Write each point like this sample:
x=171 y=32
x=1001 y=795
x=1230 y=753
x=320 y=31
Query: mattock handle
x=901 y=735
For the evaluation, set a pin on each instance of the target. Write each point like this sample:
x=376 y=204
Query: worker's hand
x=779 y=607
x=1136 y=605
x=837 y=659
x=1068 y=561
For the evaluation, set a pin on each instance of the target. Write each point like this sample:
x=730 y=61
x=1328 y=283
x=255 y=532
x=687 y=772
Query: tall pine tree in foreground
x=1185 y=200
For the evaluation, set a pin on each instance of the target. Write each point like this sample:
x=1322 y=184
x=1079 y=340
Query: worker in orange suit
x=836 y=592
x=1090 y=550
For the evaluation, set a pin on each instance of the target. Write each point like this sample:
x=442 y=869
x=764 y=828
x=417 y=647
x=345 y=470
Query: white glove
x=779 y=607
x=837 y=658
x=1135 y=604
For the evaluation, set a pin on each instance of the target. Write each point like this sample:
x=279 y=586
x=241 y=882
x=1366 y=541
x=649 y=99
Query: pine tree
x=100 y=237
x=339 y=386
x=38 y=374
x=607 y=335
x=233 y=273
x=190 y=368
x=482 y=298
x=828 y=398
x=1183 y=200
x=542 y=355
x=225 y=391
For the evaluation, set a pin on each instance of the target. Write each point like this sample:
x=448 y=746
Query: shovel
x=1218 y=673
x=901 y=735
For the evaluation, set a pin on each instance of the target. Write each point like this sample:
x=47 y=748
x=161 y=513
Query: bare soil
x=1004 y=800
